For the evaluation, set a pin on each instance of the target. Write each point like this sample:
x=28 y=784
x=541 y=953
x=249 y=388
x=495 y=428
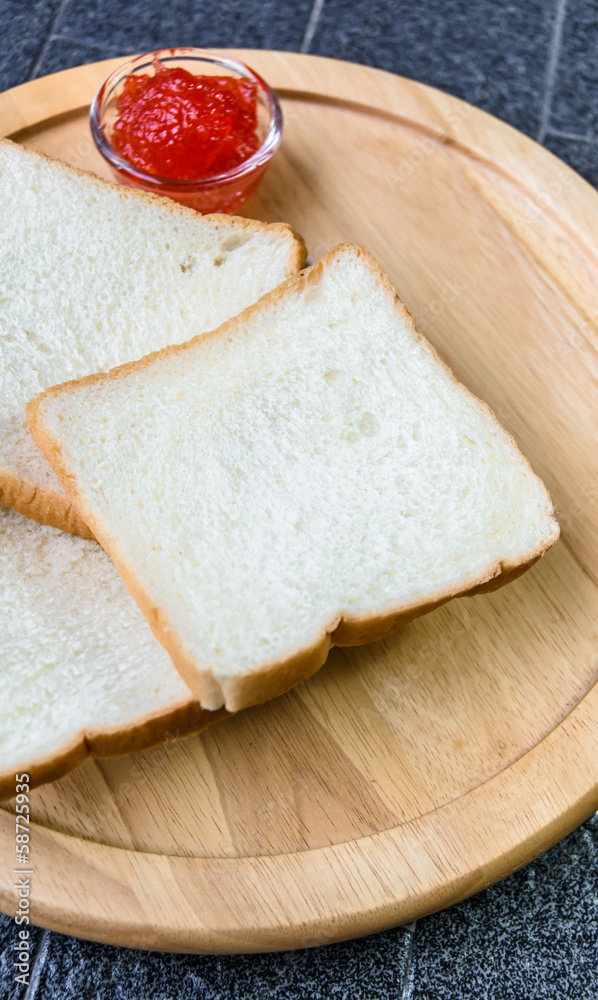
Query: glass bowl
x=223 y=193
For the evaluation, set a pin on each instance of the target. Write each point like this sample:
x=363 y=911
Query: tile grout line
x=49 y=39
x=551 y=69
x=312 y=24
x=39 y=960
x=409 y=978
x=89 y=41
x=560 y=134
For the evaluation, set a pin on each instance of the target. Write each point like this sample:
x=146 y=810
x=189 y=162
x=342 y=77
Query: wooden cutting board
x=409 y=773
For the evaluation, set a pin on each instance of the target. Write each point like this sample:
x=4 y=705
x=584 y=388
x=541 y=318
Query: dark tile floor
x=491 y=54
x=10 y=949
x=574 y=107
x=534 y=64
x=360 y=970
x=85 y=32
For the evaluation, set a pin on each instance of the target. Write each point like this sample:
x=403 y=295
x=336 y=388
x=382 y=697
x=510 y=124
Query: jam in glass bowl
x=187 y=124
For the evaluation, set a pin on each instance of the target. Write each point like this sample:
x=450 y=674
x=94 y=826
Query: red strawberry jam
x=177 y=125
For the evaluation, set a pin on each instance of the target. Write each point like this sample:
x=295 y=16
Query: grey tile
x=532 y=937
x=9 y=938
x=25 y=26
x=492 y=53
x=575 y=100
x=103 y=28
x=582 y=156
x=369 y=968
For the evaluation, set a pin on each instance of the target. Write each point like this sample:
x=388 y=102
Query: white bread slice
x=309 y=472
x=93 y=275
x=80 y=671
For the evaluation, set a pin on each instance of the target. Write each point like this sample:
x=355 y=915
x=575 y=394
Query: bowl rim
x=146 y=59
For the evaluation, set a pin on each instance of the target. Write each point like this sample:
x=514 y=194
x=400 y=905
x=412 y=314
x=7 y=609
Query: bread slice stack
x=274 y=461
x=92 y=275
x=308 y=473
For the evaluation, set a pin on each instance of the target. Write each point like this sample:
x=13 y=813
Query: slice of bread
x=309 y=472
x=81 y=672
x=93 y=275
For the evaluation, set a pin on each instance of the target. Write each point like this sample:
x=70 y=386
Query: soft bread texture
x=81 y=672
x=93 y=275
x=309 y=472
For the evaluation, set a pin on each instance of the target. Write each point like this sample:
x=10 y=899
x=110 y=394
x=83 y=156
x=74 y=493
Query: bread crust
x=47 y=505
x=41 y=503
x=343 y=629
x=180 y=720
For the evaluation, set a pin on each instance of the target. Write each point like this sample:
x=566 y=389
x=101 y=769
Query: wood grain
x=412 y=772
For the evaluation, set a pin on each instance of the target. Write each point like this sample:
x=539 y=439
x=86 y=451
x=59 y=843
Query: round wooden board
x=409 y=773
